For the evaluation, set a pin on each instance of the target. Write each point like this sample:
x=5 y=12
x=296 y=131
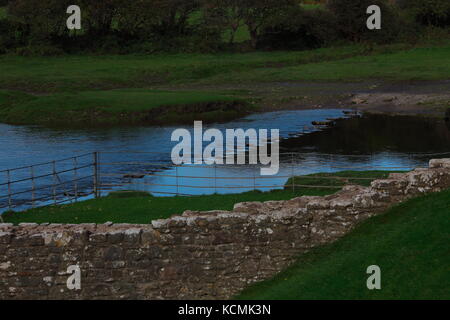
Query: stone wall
x=198 y=255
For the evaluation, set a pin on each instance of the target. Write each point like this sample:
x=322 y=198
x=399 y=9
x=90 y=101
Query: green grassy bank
x=118 y=107
x=90 y=89
x=357 y=62
x=142 y=208
x=338 y=179
x=409 y=243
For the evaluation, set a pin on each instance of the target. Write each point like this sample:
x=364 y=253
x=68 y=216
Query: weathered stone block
x=115 y=236
x=98 y=237
x=440 y=163
x=113 y=253
x=5 y=237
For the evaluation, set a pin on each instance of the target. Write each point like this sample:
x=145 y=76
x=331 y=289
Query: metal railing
x=159 y=176
x=97 y=173
x=49 y=183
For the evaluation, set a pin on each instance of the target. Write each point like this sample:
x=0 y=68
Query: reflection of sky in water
x=232 y=179
x=25 y=145
x=21 y=145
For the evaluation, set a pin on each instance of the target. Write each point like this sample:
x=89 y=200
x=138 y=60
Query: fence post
x=176 y=172
x=8 y=173
x=76 y=178
x=54 y=182
x=96 y=186
x=293 y=173
x=215 y=178
x=254 y=178
x=33 y=186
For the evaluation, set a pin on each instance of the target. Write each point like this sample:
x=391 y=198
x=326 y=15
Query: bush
x=116 y=26
x=429 y=12
x=39 y=50
x=351 y=18
x=255 y=15
x=300 y=29
x=11 y=35
x=43 y=20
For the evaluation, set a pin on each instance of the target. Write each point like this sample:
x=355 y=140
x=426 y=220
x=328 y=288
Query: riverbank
x=411 y=97
x=119 y=107
x=167 y=105
x=120 y=90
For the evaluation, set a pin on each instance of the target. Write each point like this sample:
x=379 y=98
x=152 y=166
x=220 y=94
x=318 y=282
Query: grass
x=88 y=90
x=143 y=208
x=137 y=207
x=338 y=179
x=414 y=64
x=108 y=107
x=50 y=74
x=409 y=243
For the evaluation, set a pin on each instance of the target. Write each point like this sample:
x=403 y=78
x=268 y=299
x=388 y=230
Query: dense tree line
x=38 y=26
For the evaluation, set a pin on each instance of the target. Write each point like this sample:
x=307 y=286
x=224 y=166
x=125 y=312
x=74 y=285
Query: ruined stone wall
x=197 y=255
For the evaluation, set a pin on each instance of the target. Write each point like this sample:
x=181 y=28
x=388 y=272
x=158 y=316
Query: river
x=366 y=142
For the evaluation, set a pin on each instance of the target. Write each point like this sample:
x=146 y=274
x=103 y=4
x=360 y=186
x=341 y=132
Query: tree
x=254 y=14
x=429 y=12
x=351 y=18
x=258 y=13
x=98 y=16
x=42 y=20
x=299 y=29
x=226 y=15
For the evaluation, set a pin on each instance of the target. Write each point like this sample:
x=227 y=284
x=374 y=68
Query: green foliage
x=253 y=14
x=299 y=29
x=351 y=18
x=39 y=50
x=429 y=12
x=43 y=20
x=149 y=26
x=409 y=243
x=10 y=35
x=2 y=12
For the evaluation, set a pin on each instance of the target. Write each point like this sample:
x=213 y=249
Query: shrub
x=351 y=18
x=11 y=35
x=254 y=14
x=429 y=12
x=299 y=29
x=42 y=20
x=39 y=50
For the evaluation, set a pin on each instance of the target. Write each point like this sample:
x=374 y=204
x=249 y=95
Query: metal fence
x=49 y=183
x=98 y=173
x=163 y=178
x=157 y=175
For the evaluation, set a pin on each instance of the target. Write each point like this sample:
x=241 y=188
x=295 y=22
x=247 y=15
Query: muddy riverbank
x=430 y=98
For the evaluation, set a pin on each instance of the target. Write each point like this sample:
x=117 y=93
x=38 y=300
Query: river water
x=354 y=143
